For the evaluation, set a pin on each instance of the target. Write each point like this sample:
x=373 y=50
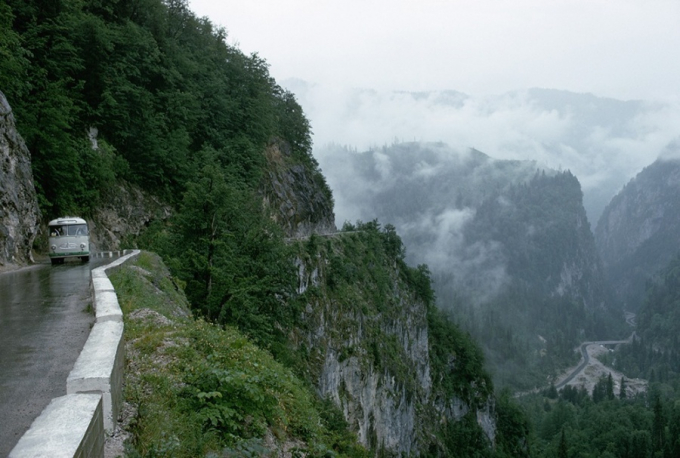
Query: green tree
x=13 y=57
x=609 y=387
x=562 y=448
x=512 y=426
x=231 y=255
x=640 y=444
x=658 y=424
x=622 y=389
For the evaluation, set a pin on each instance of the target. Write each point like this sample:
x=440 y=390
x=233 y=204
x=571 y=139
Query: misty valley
x=302 y=294
x=516 y=263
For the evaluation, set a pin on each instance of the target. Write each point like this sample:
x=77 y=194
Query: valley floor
x=587 y=375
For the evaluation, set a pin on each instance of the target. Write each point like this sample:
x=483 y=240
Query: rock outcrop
x=298 y=195
x=124 y=214
x=19 y=213
x=502 y=239
x=639 y=231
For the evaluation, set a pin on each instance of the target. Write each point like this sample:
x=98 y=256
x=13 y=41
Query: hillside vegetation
x=610 y=422
x=196 y=388
x=159 y=86
x=247 y=338
x=637 y=234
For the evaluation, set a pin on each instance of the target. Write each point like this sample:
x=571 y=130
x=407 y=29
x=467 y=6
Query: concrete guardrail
x=76 y=425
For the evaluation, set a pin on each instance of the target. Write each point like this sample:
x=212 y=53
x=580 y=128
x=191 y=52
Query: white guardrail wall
x=76 y=425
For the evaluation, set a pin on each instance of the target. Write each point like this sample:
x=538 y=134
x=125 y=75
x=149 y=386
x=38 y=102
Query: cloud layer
x=604 y=142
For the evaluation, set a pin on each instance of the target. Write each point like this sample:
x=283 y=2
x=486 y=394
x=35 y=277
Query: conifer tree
x=622 y=389
x=658 y=425
x=610 y=387
x=562 y=449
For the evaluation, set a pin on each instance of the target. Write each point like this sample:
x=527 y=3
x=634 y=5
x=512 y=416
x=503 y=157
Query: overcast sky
x=625 y=49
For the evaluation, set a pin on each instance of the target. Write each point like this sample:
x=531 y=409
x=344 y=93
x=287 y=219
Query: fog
x=604 y=142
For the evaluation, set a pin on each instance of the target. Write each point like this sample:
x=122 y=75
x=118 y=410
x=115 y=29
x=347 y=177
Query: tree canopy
x=157 y=83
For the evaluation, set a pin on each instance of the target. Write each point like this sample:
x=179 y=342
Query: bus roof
x=67 y=220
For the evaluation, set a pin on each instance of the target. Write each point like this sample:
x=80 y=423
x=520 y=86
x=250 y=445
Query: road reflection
x=45 y=319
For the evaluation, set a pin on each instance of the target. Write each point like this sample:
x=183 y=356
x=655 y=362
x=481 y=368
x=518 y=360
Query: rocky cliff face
x=19 y=213
x=545 y=238
x=298 y=195
x=124 y=214
x=639 y=231
x=372 y=358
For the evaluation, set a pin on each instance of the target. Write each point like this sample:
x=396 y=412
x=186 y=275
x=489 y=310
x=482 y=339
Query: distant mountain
x=602 y=141
x=509 y=245
x=655 y=353
x=639 y=231
x=659 y=318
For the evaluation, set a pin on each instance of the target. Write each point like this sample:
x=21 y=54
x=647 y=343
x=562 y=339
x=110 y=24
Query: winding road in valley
x=630 y=319
x=586 y=358
x=586 y=361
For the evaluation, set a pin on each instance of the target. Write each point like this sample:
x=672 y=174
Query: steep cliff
x=367 y=341
x=19 y=213
x=544 y=238
x=639 y=231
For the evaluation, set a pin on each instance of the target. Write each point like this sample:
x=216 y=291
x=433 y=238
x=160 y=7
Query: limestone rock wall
x=639 y=231
x=19 y=213
x=392 y=407
x=125 y=212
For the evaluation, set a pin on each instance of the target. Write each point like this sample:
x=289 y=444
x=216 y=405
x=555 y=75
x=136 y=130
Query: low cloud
x=604 y=142
x=478 y=269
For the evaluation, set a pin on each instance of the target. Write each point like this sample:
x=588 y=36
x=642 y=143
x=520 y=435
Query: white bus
x=69 y=238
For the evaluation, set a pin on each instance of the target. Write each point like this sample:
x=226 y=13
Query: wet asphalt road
x=45 y=319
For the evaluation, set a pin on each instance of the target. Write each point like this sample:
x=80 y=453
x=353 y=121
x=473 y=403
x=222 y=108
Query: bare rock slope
x=19 y=213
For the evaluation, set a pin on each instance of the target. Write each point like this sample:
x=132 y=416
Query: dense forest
x=160 y=86
x=177 y=112
x=539 y=318
x=638 y=234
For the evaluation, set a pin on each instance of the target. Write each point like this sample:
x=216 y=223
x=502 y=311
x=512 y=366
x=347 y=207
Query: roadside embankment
x=76 y=425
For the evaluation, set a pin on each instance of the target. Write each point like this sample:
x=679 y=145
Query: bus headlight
x=82 y=246
x=54 y=247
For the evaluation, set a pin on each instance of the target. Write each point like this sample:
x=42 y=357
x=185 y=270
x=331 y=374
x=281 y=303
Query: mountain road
x=44 y=323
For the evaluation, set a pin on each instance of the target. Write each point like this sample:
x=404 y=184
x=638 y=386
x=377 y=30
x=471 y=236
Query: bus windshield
x=70 y=229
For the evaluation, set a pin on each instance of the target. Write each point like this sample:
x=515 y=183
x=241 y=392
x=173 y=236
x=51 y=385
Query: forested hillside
x=637 y=234
x=555 y=295
x=272 y=333
x=655 y=353
x=610 y=422
x=156 y=87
